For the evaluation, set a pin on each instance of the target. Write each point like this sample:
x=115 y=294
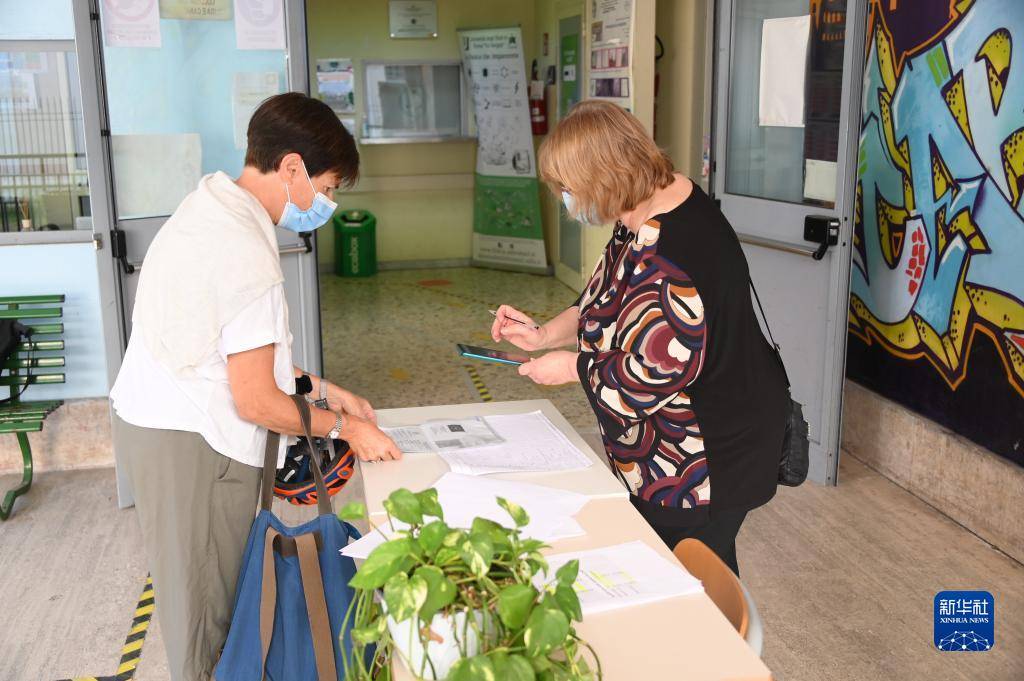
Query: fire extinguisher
x=538 y=106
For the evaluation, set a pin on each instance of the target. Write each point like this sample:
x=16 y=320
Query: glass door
x=176 y=83
x=787 y=98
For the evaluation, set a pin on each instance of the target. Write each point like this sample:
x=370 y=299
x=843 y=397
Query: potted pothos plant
x=463 y=604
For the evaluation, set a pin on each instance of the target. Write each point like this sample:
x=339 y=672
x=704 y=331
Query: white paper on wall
x=259 y=24
x=131 y=23
x=247 y=92
x=820 y=180
x=783 y=71
x=155 y=172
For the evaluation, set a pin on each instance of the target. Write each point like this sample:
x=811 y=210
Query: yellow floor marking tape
x=131 y=652
x=485 y=394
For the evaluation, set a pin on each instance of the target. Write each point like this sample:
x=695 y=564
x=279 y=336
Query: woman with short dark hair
x=208 y=369
x=689 y=396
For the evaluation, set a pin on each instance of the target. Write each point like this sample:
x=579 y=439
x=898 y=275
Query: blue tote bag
x=293 y=590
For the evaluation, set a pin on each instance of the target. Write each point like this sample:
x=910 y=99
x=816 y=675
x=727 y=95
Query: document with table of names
x=531 y=443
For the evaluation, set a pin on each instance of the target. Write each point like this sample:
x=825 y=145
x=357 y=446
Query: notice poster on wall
x=259 y=24
x=131 y=23
x=247 y=92
x=335 y=83
x=507 y=229
x=611 y=27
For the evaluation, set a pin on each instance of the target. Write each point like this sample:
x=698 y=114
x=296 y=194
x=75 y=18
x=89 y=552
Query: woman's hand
x=553 y=368
x=367 y=441
x=339 y=399
x=525 y=336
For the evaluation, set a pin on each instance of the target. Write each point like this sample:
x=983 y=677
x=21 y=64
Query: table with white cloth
x=683 y=637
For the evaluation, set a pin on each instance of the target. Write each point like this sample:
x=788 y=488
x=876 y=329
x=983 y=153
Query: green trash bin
x=355 y=243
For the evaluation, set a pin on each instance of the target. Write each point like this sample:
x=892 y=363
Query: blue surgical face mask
x=317 y=215
x=570 y=207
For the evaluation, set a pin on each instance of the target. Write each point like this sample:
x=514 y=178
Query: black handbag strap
x=775 y=346
x=323 y=500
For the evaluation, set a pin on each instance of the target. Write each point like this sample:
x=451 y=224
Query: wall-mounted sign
x=131 y=23
x=412 y=18
x=217 y=10
x=259 y=24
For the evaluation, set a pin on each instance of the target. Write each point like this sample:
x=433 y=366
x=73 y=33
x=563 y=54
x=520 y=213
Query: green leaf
x=431 y=535
x=477 y=551
x=366 y=635
x=546 y=630
x=515 y=603
x=405 y=506
x=537 y=562
x=429 y=504
x=477 y=668
x=383 y=562
x=569 y=602
x=497 y=534
x=353 y=510
x=519 y=516
x=567 y=573
x=454 y=538
x=540 y=664
x=441 y=591
x=404 y=596
x=512 y=667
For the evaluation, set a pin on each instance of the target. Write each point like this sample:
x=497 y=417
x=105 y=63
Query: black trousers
x=719 y=533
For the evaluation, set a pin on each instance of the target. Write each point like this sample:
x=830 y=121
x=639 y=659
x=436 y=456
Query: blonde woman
x=689 y=396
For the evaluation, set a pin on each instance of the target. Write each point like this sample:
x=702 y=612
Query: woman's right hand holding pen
x=518 y=329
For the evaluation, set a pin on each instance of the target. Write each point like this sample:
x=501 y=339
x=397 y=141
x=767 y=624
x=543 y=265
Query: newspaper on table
x=439 y=435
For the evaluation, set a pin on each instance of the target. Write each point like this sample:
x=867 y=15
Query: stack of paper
x=531 y=443
x=464 y=498
x=623 y=575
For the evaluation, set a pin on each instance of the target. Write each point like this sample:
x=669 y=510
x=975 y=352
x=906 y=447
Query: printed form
x=624 y=575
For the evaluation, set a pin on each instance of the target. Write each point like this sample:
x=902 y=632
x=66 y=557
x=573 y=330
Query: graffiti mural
x=936 y=316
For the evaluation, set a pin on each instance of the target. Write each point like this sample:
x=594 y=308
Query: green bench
x=32 y=363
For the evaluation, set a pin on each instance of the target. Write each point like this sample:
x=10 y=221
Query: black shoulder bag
x=795 y=458
x=11 y=335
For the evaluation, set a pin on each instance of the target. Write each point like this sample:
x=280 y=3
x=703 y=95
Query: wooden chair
x=38 y=352
x=720 y=584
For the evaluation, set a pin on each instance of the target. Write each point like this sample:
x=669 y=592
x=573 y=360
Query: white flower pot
x=448 y=638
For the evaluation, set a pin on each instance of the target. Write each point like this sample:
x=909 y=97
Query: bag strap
x=316 y=607
x=323 y=500
x=268 y=597
x=775 y=346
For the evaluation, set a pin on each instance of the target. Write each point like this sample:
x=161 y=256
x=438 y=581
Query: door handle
x=822 y=230
x=119 y=249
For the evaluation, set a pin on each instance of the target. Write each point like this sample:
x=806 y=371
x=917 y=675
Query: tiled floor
x=844 y=577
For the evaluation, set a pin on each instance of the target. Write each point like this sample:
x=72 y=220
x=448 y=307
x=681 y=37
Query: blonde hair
x=603 y=155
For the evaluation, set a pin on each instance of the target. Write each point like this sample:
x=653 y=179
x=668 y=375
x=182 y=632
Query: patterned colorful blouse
x=642 y=342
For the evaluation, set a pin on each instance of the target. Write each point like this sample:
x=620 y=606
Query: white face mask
x=570 y=207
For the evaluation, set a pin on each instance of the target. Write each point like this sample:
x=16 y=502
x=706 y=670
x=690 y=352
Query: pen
x=494 y=313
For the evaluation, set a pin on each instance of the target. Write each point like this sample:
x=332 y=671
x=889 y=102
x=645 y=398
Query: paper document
x=531 y=443
x=625 y=575
x=443 y=434
x=465 y=497
x=783 y=71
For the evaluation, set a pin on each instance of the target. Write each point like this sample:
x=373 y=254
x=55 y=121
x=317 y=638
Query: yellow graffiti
x=1013 y=164
x=996 y=52
x=942 y=179
x=956 y=100
x=1006 y=314
x=892 y=223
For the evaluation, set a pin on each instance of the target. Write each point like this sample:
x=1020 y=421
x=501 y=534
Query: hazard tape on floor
x=131 y=652
x=478 y=383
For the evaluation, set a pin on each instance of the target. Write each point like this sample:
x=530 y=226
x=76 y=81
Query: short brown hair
x=603 y=155
x=293 y=122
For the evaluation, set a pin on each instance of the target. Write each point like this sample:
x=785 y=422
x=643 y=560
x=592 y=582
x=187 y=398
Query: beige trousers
x=195 y=507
